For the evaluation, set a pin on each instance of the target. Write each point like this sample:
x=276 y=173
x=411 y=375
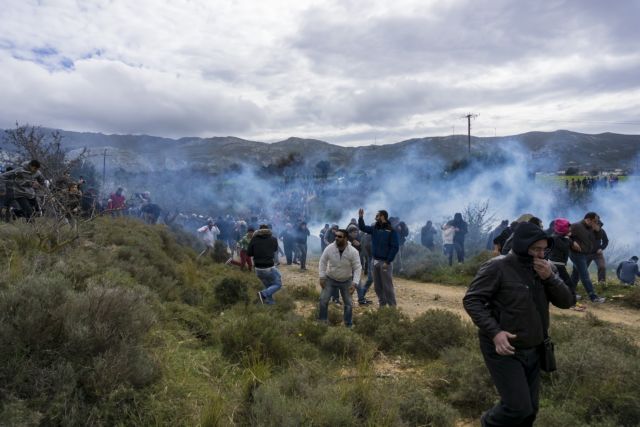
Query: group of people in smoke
x=26 y=193
x=589 y=183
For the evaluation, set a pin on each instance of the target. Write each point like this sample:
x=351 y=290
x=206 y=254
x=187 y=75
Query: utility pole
x=469 y=116
x=104 y=169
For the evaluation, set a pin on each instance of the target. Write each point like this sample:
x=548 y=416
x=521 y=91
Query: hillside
x=548 y=151
x=117 y=323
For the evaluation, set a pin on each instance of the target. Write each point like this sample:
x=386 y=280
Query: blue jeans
x=343 y=288
x=580 y=269
x=272 y=281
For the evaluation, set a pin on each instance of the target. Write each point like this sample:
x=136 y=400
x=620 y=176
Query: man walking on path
x=340 y=269
x=385 y=244
x=262 y=247
x=584 y=243
x=508 y=301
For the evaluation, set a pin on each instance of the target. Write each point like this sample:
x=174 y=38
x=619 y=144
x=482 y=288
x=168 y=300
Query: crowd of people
x=508 y=299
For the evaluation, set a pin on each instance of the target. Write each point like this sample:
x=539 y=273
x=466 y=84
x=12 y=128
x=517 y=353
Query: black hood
x=525 y=235
x=263 y=233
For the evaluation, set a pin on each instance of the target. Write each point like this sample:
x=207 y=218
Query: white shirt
x=209 y=236
x=340 y=266
x=448 y=234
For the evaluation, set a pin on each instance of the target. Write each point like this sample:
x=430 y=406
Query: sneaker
x=229 y=261
x=337 y=302
x=598 y=300
x=365 y=302
x=578 y=297
x=579 y=307
x=261 y=298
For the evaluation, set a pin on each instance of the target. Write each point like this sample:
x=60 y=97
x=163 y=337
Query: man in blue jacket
x=627 y=271
x=385 y=243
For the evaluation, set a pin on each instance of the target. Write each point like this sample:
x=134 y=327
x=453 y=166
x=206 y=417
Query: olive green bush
x=388 y=327
x=74 y=352
x=435 y=330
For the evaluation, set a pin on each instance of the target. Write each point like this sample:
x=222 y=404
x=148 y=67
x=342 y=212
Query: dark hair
x=250 y=229
x=635 y=258
x=535 y=220
x=384 y=213
x=264 y=226
x=590 y=215
x=34 y=163
x=343 y=231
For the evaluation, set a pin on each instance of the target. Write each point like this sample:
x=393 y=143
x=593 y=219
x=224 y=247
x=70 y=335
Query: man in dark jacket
x=627 y=271
x=302 y=233
x=20 y=187
x=427 y=234
x=384 y=245
x=602 y=241
x=584 y=243
x=262 y=247
x=288 y=237
x=461 y=232
x=508 y=301
x=496 y=232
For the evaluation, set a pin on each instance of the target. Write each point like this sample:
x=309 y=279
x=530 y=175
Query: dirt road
x=415 y=298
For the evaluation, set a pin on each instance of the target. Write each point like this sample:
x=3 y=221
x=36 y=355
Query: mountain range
x=547 y=151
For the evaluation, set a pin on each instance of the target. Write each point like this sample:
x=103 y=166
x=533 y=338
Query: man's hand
x=355 y=243
x=543 y=268
x=576 y=247
x=385 y=265
x=352 y=288
x=323 y=283
x=503 y=346
x=360 y=212
x=599 y=251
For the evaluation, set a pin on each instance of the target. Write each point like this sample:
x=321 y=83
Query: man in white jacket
x=339 y=268
x=209 y=234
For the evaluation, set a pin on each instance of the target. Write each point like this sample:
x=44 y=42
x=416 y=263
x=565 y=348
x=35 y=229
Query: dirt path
x=415 y=298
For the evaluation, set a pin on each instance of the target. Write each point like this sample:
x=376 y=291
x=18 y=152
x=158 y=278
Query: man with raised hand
x=340 y=269
x=508 y=301
x=385 y=243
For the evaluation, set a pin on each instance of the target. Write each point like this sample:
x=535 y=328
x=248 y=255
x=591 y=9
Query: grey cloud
x=462 y=35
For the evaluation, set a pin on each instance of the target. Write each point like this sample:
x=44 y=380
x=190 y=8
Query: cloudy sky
x=348 y=72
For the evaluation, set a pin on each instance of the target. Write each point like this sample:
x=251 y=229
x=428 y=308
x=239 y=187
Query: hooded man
x=508 y=301
x=262 y=247
x=385 y=244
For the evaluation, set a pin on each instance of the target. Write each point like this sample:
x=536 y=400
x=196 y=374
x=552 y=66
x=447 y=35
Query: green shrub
x=342 y=342
x=463 y=381
x=195 y=320
x=231 y=290
x=307 y=293
x=312 y=330
x=259 y=334
x=435 y=330
x=632 y=299
x=419 y=408
x=73 y=353
x=388 y=327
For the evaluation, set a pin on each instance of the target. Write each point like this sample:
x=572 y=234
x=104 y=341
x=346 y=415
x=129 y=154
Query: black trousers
x=288 y=252
x=301 y=248
x=517 y=379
